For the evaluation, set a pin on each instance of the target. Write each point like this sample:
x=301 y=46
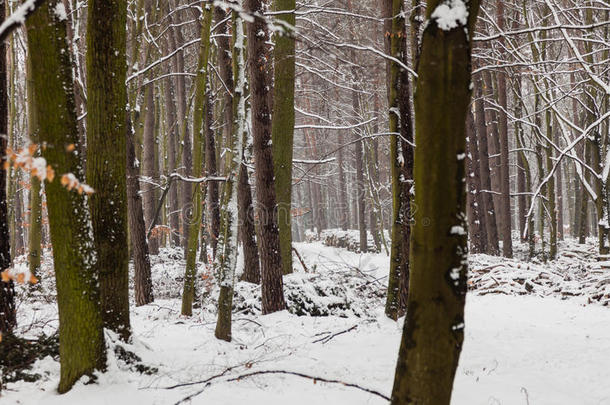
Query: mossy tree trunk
x=269 y=238
x=194 y=225
x=282 y=132
x=106 y=165
x=7 y=294
x=82 y=348
x=426 y=367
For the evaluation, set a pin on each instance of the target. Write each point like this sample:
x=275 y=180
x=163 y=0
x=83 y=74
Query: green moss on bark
x=81 y=338
x=282 y=131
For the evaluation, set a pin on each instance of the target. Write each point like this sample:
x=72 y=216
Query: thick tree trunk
x=269 y=239
x=282 y=132
x=82 y=348
x=106 y=165
x=252 y=269
x=426 y=367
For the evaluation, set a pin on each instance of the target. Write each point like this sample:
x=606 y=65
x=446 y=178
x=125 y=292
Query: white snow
x=60 y=12
x=450 y=14
x=457 y=230
x=533 y=347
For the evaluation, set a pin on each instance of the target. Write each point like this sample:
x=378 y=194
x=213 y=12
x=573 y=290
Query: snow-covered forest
x=315 y=202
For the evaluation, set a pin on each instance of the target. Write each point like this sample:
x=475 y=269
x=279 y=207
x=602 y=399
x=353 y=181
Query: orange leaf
x=70 y=148
x=20 y=278
x=50 y=173
x=33 y=279
x=5 y=276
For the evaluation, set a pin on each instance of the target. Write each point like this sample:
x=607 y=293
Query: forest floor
x=535 y=334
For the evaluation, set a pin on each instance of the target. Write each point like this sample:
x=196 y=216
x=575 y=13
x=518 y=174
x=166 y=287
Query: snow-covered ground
x=533 y=348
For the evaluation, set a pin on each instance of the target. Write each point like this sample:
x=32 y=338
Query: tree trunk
x=282 y=132
x=269 y=239
x=106 y=165
x=343 y=205
x=401 y=159
x=7 y=293
x=194 y=226
x=488 y=206
x=35 y=234
x=426 y=367
x=360 y=185
x=148 y=167
x=141 y=257
x=477 y=231
x=82 y=348
x=507 y=243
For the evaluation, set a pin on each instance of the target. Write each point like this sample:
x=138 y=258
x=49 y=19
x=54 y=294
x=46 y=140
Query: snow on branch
x=18 y=17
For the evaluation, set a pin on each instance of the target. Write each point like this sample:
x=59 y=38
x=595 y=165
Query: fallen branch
x=315 y=379
x=301 y=260
x=327 y=339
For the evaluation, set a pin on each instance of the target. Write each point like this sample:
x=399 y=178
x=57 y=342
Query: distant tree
x=434 y=327
x=226 y=259
x=141 y=258
x=7 y=294
x=194 y=227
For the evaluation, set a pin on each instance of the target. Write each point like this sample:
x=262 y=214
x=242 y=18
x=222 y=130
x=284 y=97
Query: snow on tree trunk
x=426 y=367
x=82 y=348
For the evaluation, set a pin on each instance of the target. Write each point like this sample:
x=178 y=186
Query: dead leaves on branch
x=26 y=160
x=20 y=278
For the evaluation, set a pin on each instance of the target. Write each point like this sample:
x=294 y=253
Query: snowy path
x=517 y=349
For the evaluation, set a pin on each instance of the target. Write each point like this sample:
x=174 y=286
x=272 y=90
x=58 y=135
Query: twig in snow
x=301 y=260
x=327 y=339
x=315 y=379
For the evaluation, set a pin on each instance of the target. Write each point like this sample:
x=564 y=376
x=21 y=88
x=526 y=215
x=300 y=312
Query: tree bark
x=282 y=132
x=489 y=206
x=106 y=165
x=201 y=107
x=507 y=243
x=476 y=218
x=269 y=239
x=426 y=367
x=7 y=293
x=141 y=257
x=148 y=166
x=82 y=349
